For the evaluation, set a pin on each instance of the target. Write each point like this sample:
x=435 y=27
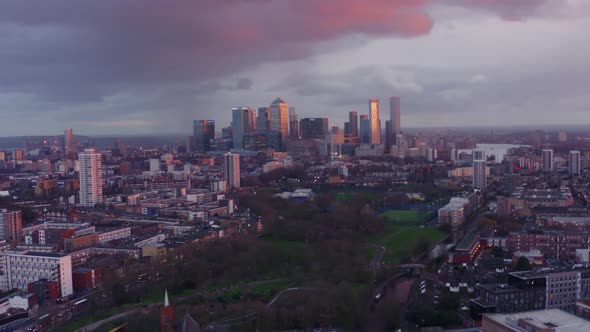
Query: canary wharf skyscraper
x=375 y=128
x=279 y=120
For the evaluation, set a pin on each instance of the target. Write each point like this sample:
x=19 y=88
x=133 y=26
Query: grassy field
x=400 y=241
x=405 y=215
x=267 y=290
x=288 y=246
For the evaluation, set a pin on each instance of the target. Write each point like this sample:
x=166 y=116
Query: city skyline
x=440 y=57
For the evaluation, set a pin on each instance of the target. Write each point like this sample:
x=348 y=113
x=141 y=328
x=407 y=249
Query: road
x=296 y=289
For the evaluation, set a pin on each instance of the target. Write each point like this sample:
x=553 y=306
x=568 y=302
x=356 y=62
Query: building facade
x=90 y=178
x=11 y=225
x=365 y=129
x=69 y=143
x=479 y=169
x=313 y=128
x=243 y=123
x=353 y=123
x=574 y=163
x=279 y=121
x=203 y=135
x=547 y=160
x=23 y=268
x=231 y=170
x=375 y=121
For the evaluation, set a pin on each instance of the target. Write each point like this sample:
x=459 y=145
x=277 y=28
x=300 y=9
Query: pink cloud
x=120 y=41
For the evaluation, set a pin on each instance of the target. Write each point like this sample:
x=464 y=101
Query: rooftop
x=556 y=319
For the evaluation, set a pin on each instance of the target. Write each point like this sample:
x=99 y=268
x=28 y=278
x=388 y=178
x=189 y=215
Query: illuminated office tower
x=279 y=121
x=574 y=163
x=231 y=170
x=243 y=123
x=375 y=133
x=203 y=135
x=479 y=169
x=90 y=178
x=547 y=160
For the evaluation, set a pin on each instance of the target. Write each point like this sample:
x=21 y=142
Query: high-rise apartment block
x=69 y=143
x=547 y=160
x=375 y=134
x=11 y=225
x=90 y=178
x=479 y=169
x=231 y=170
x=203 y=135
x=574 y=162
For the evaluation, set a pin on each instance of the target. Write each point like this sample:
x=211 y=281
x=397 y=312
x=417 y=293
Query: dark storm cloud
x=109 y=43
x=118 y=57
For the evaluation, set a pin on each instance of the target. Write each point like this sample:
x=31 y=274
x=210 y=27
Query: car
x=378 y=297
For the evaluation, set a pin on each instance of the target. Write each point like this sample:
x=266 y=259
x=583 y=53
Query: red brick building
x=84 y=278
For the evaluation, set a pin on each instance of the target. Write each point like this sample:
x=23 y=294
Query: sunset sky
x=142 y=66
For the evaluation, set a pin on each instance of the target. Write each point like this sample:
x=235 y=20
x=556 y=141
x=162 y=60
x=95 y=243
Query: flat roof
x=45 y=254
x=560 y=320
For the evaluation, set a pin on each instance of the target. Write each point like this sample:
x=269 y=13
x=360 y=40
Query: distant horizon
x=218 y=130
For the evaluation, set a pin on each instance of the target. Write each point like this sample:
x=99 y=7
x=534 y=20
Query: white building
x=574 y=162
x=218 y=185
x=231 y=170
x=22 y=268
x=547 y=160
x=90 y=178
x=154 y=165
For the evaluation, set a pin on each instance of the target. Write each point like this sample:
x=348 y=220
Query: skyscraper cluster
x=272 y=126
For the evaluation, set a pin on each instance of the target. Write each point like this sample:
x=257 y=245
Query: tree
x=498 y=252
x=523 y=264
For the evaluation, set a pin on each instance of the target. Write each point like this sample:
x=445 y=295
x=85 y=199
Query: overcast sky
x=143 y=66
